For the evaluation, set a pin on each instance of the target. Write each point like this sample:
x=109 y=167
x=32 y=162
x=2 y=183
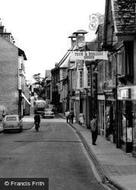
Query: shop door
x=127 y=126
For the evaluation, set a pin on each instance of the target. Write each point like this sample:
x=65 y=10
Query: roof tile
x=125 y=16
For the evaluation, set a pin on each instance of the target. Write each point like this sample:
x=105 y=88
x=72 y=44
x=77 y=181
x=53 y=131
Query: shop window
x=81 y=106
x=81 y=78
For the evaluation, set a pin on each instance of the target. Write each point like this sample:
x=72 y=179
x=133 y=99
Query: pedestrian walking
x=67 y=115
x=37 y=121
x=3 y=114
x=94 y=130
x=71 y=115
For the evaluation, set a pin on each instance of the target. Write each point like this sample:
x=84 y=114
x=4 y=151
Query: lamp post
x=20 y=103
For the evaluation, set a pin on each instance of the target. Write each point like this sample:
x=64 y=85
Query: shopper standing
x=67 y=113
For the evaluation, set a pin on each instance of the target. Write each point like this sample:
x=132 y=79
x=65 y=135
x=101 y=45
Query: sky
x=41 y=28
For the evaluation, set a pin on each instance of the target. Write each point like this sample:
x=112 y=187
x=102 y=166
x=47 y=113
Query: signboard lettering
x=89 y=55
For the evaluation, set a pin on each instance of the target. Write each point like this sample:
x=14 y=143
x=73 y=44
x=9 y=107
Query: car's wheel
x=4 y=131
x=21 y=129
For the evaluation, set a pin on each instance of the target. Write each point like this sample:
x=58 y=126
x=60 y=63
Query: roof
x=124 y=14
x=80 y=32
x=64 y=58
x=72 y=36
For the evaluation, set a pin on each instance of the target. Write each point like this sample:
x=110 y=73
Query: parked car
x=53 y=108
x=12 y=123
x=48 y=113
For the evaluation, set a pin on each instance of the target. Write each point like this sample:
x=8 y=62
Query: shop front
x=110 y=109
x=127 y=117
x=126 y=126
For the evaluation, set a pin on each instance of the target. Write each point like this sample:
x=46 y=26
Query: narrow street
x=55 y=152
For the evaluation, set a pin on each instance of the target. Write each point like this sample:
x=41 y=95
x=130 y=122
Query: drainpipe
x=19 y=91
x=19 y=103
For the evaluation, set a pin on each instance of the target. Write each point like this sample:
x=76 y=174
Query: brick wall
x=8 y=76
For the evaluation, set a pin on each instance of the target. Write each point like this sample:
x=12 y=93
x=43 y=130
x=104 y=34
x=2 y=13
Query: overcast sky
x=41 y=27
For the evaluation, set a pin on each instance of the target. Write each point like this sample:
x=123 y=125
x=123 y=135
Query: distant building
x=48 y=86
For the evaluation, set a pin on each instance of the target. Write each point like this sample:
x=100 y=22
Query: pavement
x=115 y=167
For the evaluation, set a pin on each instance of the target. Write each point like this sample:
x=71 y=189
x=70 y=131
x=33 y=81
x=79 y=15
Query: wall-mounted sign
x=101 y=97
x=123 y=94
x=127 y=93
x=93 y=55
x=89 y=55
x=77 y=55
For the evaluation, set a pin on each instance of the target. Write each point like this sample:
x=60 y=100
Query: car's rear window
x=12 y=118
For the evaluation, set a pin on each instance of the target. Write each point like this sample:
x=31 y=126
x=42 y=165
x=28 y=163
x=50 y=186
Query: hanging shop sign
x=95 y=20
x=89 y=55
x=101 y=97
x=127 y=93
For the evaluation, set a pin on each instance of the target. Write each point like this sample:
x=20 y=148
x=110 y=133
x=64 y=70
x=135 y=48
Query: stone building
x=12 y=75
x=119 y=85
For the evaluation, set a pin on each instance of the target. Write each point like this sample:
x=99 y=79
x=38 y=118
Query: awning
x=25 y=98
x=64 y=63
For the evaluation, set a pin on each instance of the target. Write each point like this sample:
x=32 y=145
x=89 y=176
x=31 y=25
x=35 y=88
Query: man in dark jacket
x=71 y=115
x=94 y=130
x=37 y=119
